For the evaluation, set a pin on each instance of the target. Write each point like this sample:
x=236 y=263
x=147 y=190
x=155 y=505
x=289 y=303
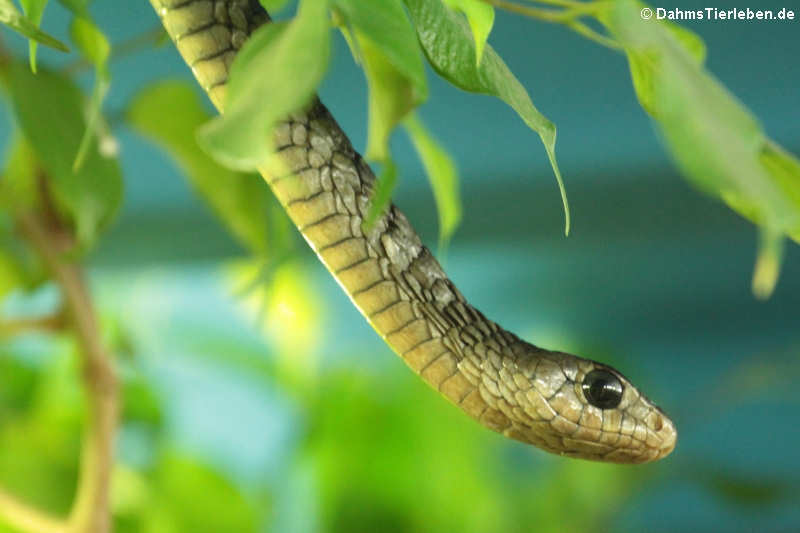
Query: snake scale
x=559 y=402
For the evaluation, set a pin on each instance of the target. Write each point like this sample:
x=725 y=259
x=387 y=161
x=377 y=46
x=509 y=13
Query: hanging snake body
x=559 y=402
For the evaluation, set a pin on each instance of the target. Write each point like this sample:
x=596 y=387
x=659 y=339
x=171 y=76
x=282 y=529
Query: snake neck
x=391 y=277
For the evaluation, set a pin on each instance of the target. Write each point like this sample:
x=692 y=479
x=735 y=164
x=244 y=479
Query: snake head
x=581 y=408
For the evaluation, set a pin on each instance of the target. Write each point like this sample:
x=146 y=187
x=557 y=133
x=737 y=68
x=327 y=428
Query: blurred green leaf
x=784 y=169
x=640 y=64
x=48 y=108
x=480 y=16
x=718 y=144
x=442 y=174
x=19 y=267
x=10 y=275
x=129 y=496
x=39 y=444
x=141 y=404
x=297 y=51
x=94 y=46
x=187 y=495
x=34 y=9
x=579 y=496
x=11 y=17
x=18 y=185
x=17 y=382
x=742 y=489
x=90 y=41
x=376 y=460
x=241 y=201
x=450 y=49
x=288 y=311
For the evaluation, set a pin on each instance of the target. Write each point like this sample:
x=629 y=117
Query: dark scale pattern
x=508 y=385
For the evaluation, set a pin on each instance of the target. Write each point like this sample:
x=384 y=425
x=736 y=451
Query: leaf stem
x=568 y=16
x=153 y=37
x=593 y=35
x=548 y=15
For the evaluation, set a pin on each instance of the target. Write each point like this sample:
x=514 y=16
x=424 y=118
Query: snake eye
x=602 y=389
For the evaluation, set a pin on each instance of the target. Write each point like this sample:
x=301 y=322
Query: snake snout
x=665 y=431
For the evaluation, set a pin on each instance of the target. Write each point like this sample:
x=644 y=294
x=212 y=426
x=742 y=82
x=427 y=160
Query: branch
x=90 y=510
x=15 y=326
x=25 y=518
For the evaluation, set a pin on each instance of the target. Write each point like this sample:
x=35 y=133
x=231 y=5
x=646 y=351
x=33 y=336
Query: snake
x=561 y=403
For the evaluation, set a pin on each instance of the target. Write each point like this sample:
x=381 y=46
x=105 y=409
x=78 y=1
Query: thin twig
x=15 y=326
x=549 y=15
x=562 y=3
x=582 y=29
x=25 y=518
x=150 y=38
x=568 y=16
x=90 y=510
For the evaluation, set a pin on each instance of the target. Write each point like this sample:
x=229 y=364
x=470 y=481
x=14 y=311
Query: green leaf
x=641 y=62
x=392 y=63
x=390 y=100
x=386 y=25
x=450 y=49
x=383 y=193
x=282 y=64
x=11 y=17
x=717 y=143
x=94 y=46
x=20 y=268
x=11 y=275
x=90 y=41
x=182 y=486
x=18 y=186
x=241 y=201
x=48 y=108
x=480 y=16
x=784 y=168
x=442 y=174
x=34 y=9
x=141 y=403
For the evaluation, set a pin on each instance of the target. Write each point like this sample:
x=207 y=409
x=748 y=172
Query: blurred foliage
x=243 y=203
x=28 y=25
x=377 y=451
x=370 y=447
x=717 y=143
x=41 y=411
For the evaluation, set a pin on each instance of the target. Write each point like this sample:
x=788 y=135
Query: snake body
x=527 y=393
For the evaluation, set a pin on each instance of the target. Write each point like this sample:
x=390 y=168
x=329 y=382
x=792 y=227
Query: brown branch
x=15 y=326
x=90 y=510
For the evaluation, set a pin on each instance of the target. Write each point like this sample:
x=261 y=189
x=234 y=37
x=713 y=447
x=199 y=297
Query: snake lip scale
x=559 y=402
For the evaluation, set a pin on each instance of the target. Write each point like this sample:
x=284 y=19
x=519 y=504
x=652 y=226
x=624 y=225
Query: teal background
x=655 y=277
